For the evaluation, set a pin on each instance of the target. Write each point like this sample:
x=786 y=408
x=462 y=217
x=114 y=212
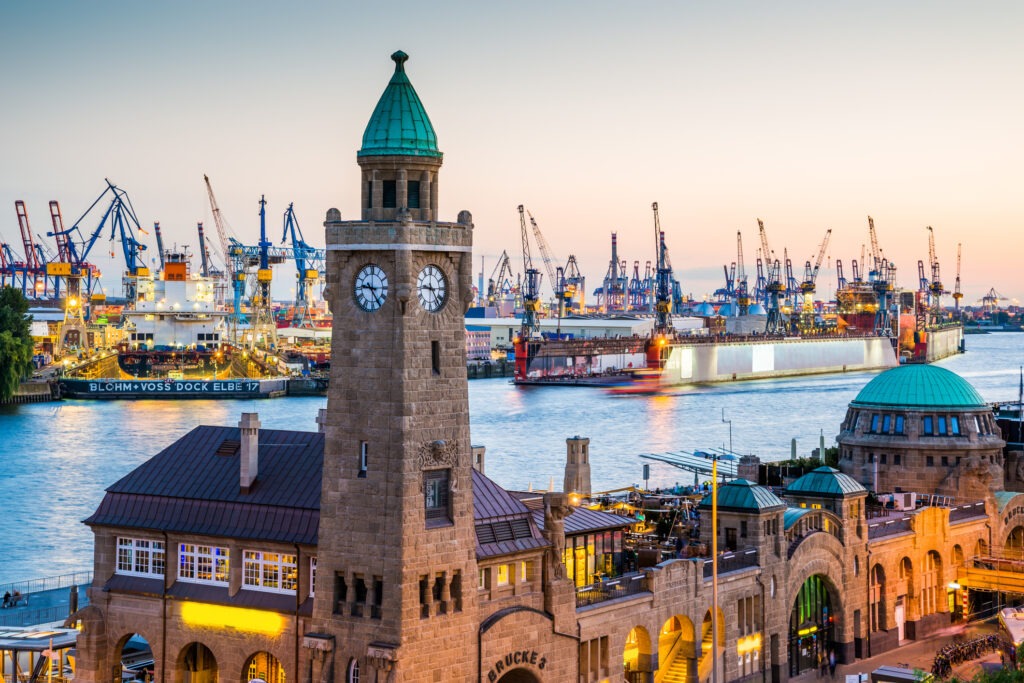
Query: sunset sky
x=809 y=115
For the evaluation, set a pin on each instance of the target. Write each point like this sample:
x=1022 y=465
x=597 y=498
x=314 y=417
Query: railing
x=47 y=584
x=32 y=617
x=731 y=562
x=610 y=589
x=968 y=511
x=889 y=528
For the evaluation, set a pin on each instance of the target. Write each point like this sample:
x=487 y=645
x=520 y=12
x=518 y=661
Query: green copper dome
x=399 y=124
x=919 y=386
x=825 y=482
x=741 y=495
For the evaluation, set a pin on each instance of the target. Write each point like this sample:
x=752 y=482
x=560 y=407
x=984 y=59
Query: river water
x=56 y=459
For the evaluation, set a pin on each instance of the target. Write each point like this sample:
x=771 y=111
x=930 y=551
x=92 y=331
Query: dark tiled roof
x=189 y=488
x=503 y=524
x=581 y=520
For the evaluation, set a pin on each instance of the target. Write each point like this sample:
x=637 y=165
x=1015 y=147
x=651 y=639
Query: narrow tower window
x=390 y=199
x=435 y=357
x=436 y=497
x=363 y=450
x=413 y=194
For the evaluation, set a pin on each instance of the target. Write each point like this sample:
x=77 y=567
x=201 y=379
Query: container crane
x=309 y=264
x=808 y=286
x=499 y=285
x=204 y=255
x=881 y=276
x=613 y=288
x=545 y=253
x=635 y=291
x=774 y=287
x=531 y=285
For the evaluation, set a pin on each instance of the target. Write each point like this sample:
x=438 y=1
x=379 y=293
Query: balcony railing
x=610 y=589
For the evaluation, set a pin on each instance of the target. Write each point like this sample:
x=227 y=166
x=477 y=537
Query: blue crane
x=310 y=264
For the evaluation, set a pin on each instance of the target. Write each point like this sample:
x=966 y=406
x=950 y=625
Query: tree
x=15 y=341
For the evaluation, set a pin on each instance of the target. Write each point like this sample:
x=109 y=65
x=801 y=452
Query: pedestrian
x=832 y=662
x=822 y=663
x=7 y=599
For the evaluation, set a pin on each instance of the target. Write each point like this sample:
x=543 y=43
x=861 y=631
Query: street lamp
x=728 y=422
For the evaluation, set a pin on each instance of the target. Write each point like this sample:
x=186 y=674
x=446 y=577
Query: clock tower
x=396 y=573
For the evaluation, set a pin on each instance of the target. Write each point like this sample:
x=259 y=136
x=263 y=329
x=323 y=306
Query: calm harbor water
x=56 y=459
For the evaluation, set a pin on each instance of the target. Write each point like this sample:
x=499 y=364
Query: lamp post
x=728 y=422
x=714 y=562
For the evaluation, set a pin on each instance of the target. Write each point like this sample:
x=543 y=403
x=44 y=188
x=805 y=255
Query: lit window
x=483 y=579
x=203 y=564
x=140 y=557
x=502 y=574
x=272 y=572
x=522 y=571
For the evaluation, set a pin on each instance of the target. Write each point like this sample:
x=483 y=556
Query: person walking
x=832 y=662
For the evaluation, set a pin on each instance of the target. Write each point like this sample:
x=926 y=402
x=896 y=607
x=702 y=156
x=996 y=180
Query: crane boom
x=765 y=251
x=821 y=253
x=545 y=253
x=876 y=251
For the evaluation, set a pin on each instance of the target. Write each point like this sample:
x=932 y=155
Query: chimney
x=249 y=426
x=577 y=466
x=321 y=420
x=478 y=458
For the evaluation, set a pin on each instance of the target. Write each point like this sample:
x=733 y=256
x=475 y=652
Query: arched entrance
x=263 y=666
x=196 y=664
x=135 y=660
x=676 y=648
x=636 y=655
x=876 y=599
x=1015 y=540
x=519 y=676
x=811 y=626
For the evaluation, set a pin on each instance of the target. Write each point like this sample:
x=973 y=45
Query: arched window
x=353 y=671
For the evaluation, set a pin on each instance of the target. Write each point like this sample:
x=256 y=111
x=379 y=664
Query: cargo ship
x=175 y=345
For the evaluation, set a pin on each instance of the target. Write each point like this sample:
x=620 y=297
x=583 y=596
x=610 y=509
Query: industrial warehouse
x=349 y=554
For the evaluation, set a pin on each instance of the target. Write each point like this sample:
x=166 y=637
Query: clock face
x=371 y=287
x=432 y=287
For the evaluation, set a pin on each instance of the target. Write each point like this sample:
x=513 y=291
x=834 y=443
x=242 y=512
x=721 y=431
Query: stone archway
x=878 y=618
x=519 y=676
x=133 y=659
x=196 y=664
x=677 y=647
x=812 y=632
x=1015 y=541
x=637 y=654
x=263 y=666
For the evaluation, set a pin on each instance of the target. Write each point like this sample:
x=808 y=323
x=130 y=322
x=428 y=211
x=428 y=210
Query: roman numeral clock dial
x=371 y=287
x=432 y=288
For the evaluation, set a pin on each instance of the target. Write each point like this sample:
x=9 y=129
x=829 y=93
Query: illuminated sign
x=220 y=617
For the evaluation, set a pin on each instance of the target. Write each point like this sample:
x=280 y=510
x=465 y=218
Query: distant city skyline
x=805 y=115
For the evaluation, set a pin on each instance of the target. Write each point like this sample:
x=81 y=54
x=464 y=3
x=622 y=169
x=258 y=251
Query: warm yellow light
x=807 y=631
x=220 y=617
x=748 y=644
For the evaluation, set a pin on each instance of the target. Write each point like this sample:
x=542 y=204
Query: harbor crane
x=263 y=328
x=935 y=289
x=531 y=285
x=742 y=293
x=774 y=287
x=31 y=267
x=663 y=280
x=574 y=288
x=545 y=253
x=808 y=286
x=204 y=253
x=310 y=267
x=881 y=276
x=234 y=263
x=159 y=242
x=613 y=288
x=957 y=294
x=499 y=286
